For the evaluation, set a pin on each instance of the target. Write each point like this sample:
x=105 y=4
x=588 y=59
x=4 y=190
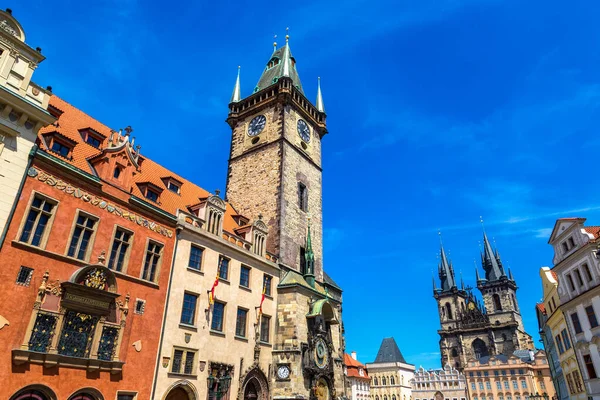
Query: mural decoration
x=95 y=201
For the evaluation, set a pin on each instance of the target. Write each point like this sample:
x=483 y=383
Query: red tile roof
x=353 y=367
x=73 y=120
x=541 y=307
x=594 y=230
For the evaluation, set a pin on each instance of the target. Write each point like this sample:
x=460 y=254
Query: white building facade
x=358 y=382
x=439 y=384
x=390 y=373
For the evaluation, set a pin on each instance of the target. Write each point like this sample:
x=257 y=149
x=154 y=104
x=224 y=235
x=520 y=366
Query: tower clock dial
x=283 y=372
x=257 y=125
x=303 y=130
x=321 y=353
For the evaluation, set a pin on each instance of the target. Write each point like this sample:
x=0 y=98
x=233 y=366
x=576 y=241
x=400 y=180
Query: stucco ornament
x=137 y=346
x=3 y=322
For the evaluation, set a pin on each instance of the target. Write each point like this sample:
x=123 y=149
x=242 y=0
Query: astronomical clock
x=317 y=360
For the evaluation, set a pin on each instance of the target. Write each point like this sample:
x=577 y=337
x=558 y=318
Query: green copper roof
x=281 y=63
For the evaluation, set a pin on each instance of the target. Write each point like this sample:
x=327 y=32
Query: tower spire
x=493 y=270
x=286 y=55
x=446 y=271
x=309 y=256
x=319 y=103
x=237 y=92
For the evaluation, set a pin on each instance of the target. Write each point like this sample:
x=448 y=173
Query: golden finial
x=274 y=42
x=287 y=34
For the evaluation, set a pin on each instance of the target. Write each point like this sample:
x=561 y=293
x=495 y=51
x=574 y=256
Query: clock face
x=257 y=125
x=321 y=353
x=283 y=372
x=303 y=130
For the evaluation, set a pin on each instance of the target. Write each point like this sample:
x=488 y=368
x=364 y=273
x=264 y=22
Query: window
x=117 y=172
x=302 y=197
x=140 y=306
x=195 y=261
x=559 y=344
x=268 y=280
x=497 y=303
x=503 y=372
x=498 y=385
x=173 y=187
x=240 y=323
x=40 y=213
x=521 y=371
x=217 y=317
x=570 y=384
x=565 y=337
x=589 y=310
x=589 y=365
x=577 y=381
x=84 y=229
x=480 y=385
x=506 y=385
x=151 y=195
x=94 y=141
x=125 y=396
x=188 y=311
x=183 y=362
x=265 y=322
x=223 y=267
x=151 y=264
x=60 y=148
x=449 y=312
x=119 y=251
x=576 y=323
x=543 y=385
x=24 y=276
x=303 y=261
x=515 y=385
x=473 y=386
x=578 y=276
x=523 y=384
x=245 y=276
x=571 y=284
x=571 y=243
x=488 y=385
x=588 y=273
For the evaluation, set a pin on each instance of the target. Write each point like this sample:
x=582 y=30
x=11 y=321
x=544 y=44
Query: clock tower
x=275 y=172
x=275 y=160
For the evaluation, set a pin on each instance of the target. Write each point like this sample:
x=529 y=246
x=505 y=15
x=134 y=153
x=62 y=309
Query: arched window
x=454 y=352
x=376 y=397
x=383 y=382
x=375 y=383
x=385 y=397
x=393 y=397
x=34 y=392
x=497 y=304
x=392 y=381
x=449 y=310
x=479 y=349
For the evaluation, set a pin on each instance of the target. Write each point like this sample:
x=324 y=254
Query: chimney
x=354 y=355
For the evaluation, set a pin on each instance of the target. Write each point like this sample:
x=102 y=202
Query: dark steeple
x=389 y=352
x=281 y=64
x=490 y=261
x=309 y=256
x=446 y=272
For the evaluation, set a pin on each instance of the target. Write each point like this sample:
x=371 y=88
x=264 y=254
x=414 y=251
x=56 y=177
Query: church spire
x=309 y=256
x=319 y=103
x=282 y=64
x=286 y=57
x=489 y=259
x=237 y=92
x=445 y=269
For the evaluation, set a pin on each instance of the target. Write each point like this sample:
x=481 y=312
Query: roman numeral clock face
x=257 y=125
x=303 y=130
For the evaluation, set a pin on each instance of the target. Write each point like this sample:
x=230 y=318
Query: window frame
x=194 y=311
x=268 y=318
x=588 y=272
x=223 y=319
x=220 y=269
x=158 y=264
x=237 y=320
x=185 y=352
x=576 y=323
x=593 y=313
x=244 y=267
x=127 y=255
x=63 y=144
x=49 y=224
x=587 y=361
x=201 y=261
x=91 y=241
x=269 y=287
x=302 y=196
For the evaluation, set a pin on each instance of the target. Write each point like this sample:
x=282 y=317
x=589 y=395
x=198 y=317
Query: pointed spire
x=477 y=278
x=237 y=92
x=446 y=271
x=462 y=283
x=493 y=271
x=286 y=55
x=309 y=269
x=510 y=275
x=433 y=281
x=319 y=104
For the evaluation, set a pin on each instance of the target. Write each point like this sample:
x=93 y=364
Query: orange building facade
x=85 y=267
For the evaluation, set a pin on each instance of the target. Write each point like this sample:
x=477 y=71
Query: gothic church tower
x=470 y=329
x=275 y=172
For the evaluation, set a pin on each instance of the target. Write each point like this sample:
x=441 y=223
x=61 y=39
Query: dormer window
x=151 y=195
x=274 y=61
x=117 y=171
x=568 y=244
x=60 y=148
x=173 y=187
x=92 y=137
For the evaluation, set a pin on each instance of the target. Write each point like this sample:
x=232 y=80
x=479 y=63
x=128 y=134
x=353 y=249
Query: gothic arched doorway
x=255 y=386
x=178 y=394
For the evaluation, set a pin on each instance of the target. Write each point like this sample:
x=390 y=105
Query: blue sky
x=439 y=111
